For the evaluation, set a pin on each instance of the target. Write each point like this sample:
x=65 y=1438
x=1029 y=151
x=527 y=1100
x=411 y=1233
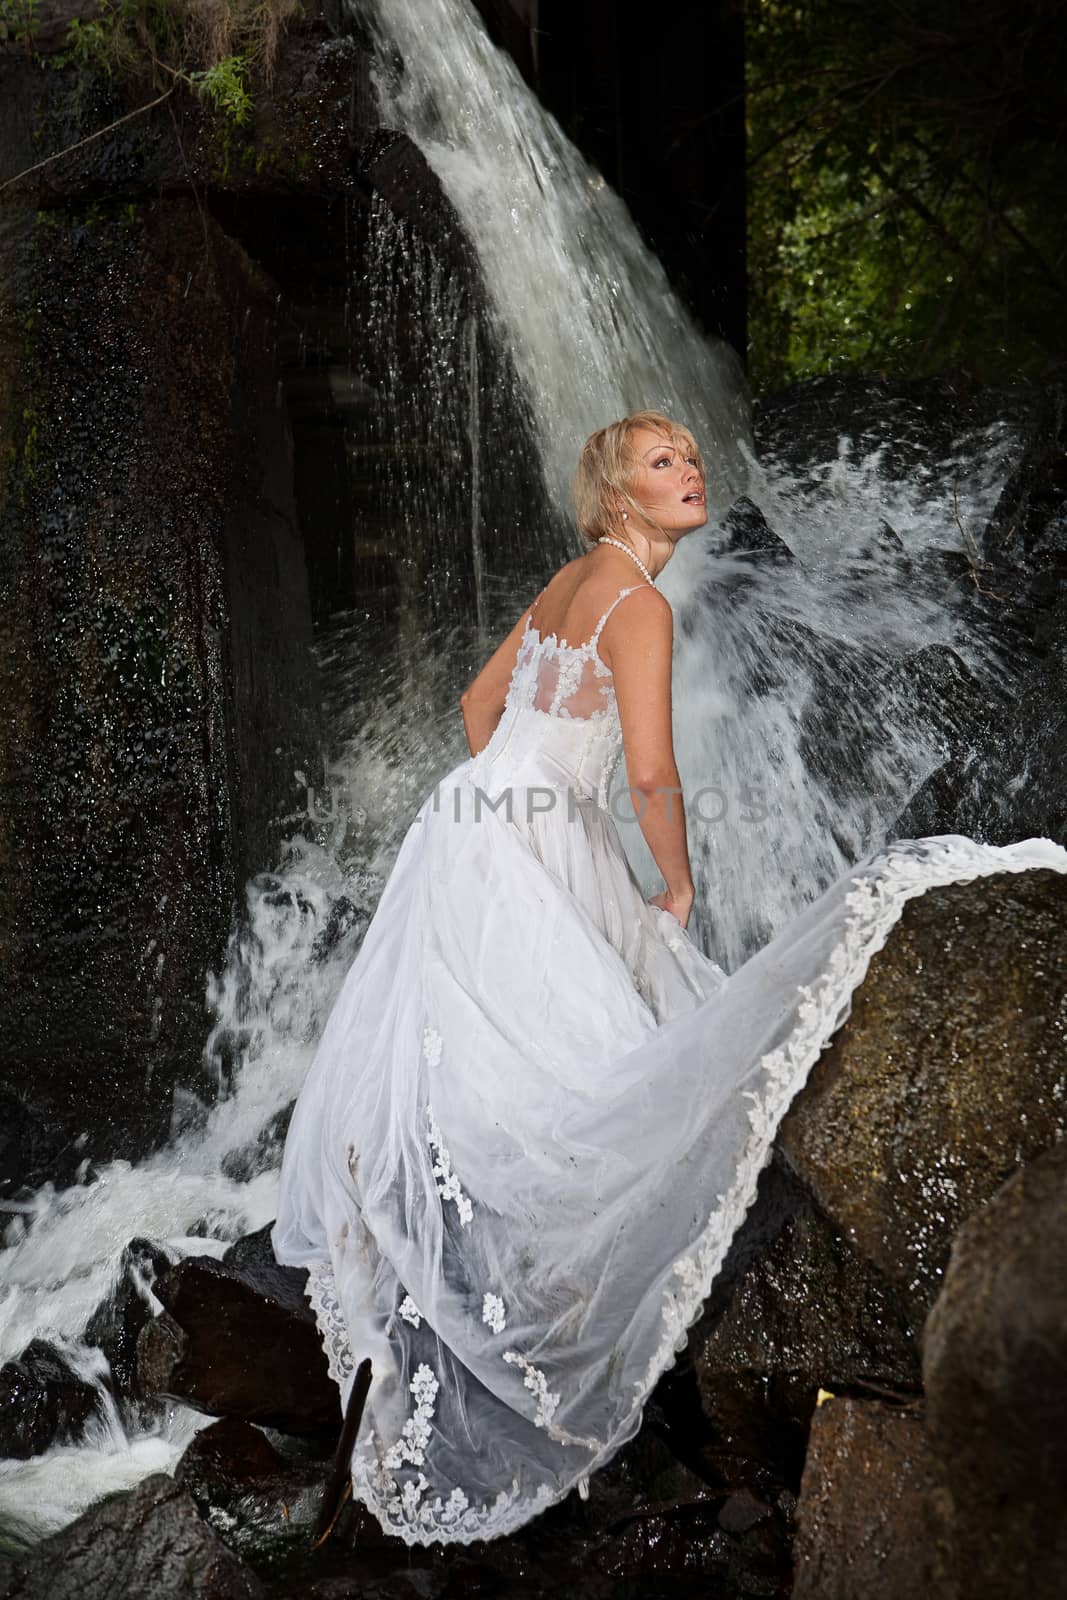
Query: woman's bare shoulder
x=643 y=620
x=644 y=608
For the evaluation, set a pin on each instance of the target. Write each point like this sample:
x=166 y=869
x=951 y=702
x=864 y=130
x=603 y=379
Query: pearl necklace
x=606 y=538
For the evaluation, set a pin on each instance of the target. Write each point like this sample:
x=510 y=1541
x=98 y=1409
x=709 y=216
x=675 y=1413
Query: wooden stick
x=99 y=134
x=339 y=1485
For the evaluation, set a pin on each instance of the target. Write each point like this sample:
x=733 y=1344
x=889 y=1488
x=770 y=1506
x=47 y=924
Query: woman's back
x=575 y=600
x=578 y=618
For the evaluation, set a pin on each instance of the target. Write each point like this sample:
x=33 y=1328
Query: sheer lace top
x=560 y=725
x=567 y=680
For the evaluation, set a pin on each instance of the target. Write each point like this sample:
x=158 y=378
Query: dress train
x=538 y=1113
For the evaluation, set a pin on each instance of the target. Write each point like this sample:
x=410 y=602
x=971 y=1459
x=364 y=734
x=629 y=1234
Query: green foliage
x=215 y=48
x=18 y=18
x=223 y=86
x=906 y=168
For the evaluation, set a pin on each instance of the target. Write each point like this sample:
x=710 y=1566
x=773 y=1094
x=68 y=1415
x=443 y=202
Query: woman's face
x=668 y=483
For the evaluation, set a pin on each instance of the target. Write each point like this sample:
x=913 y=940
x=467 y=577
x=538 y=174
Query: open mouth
x=694 y=499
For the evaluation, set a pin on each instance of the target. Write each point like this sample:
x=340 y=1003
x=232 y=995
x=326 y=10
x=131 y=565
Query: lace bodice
x=560 y=715
x=568 y=680
x=561 y=679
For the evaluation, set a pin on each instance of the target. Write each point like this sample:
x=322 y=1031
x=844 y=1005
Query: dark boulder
x=239 y=1344
x=43 y=1401
x=157 y=655
x=252 y=1259
x=246 y=1488
x=995 y=1367
x=945 y=1077
x=117 y=1321
x=867 y=1518
x=914 y=425
x=746 y=533
x=147 y=1544
x=808 y=1313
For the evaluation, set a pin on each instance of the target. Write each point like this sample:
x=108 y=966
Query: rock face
x=995 y=1368
x=947 y=1075
x=149 y=1544
x=242 y=1344
x=808 y=1313
x=867 y=1520
x=185 y=388
x=150 y=554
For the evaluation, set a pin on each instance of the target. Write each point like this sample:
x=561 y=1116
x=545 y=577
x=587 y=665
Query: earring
x=626 y=516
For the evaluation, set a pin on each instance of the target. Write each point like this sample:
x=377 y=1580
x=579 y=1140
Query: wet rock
x=393 y=165
x=157 y=664
x=912 y=425
x=30 y=1155
x=43 y=1401
x=239 y=1346
x=148 y=1544
x=807 y=1313
x=245 y=1488
x=690 y=1539
x=995 y=1367
x=300 y=135
x=252 y=1259
x=742 y=1510
x=1029 y=522
x=263 y=1153
x=947 y=1075
x=867 y=1520
x=1006 y=779
x=746 y=532
x=117 y=1321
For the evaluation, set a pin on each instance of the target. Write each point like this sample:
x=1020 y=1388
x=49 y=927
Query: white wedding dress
x=537 y=1114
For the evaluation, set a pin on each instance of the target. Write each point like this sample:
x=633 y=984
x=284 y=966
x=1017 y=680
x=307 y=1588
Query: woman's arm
x=637 y=645
x=483 y=699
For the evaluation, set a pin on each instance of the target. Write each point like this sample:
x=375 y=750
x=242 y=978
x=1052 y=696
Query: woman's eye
x=663 y=461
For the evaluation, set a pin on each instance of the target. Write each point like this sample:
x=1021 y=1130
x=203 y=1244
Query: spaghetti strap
x=591 y=642
x=620 y=596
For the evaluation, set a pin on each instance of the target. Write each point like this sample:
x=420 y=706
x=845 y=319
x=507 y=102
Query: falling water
x=585 y=309
x=789 y=691
x=595 y=331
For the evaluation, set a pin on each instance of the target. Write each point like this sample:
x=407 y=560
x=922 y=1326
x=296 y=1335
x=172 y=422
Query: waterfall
x=767 y=658
x=586 y=310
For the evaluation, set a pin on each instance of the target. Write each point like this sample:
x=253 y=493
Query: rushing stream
x=773 y=659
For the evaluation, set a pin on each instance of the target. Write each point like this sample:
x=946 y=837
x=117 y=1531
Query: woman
x=538 y=1113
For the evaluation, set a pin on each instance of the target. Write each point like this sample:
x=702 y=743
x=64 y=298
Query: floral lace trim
x=402 y=1510
x=570 y=665
x=547 y=1403
x=536 y=1381
x=410 y=1311
x=448 y=1186
x=876 y=905
x=321 y=1290
x=415 y=1434
x=493 y=1313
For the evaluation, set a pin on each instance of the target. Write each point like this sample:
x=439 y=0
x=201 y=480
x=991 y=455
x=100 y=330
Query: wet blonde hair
x=608 y=466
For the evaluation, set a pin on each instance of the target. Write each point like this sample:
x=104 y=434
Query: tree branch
x=81 y=143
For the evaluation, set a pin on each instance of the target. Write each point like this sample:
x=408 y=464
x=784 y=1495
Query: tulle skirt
x=534 y=1122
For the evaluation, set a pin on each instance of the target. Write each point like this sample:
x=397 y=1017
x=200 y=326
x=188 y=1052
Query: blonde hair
x=607 y=467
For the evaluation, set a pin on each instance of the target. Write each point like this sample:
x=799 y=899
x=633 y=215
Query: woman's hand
x=679 y=905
